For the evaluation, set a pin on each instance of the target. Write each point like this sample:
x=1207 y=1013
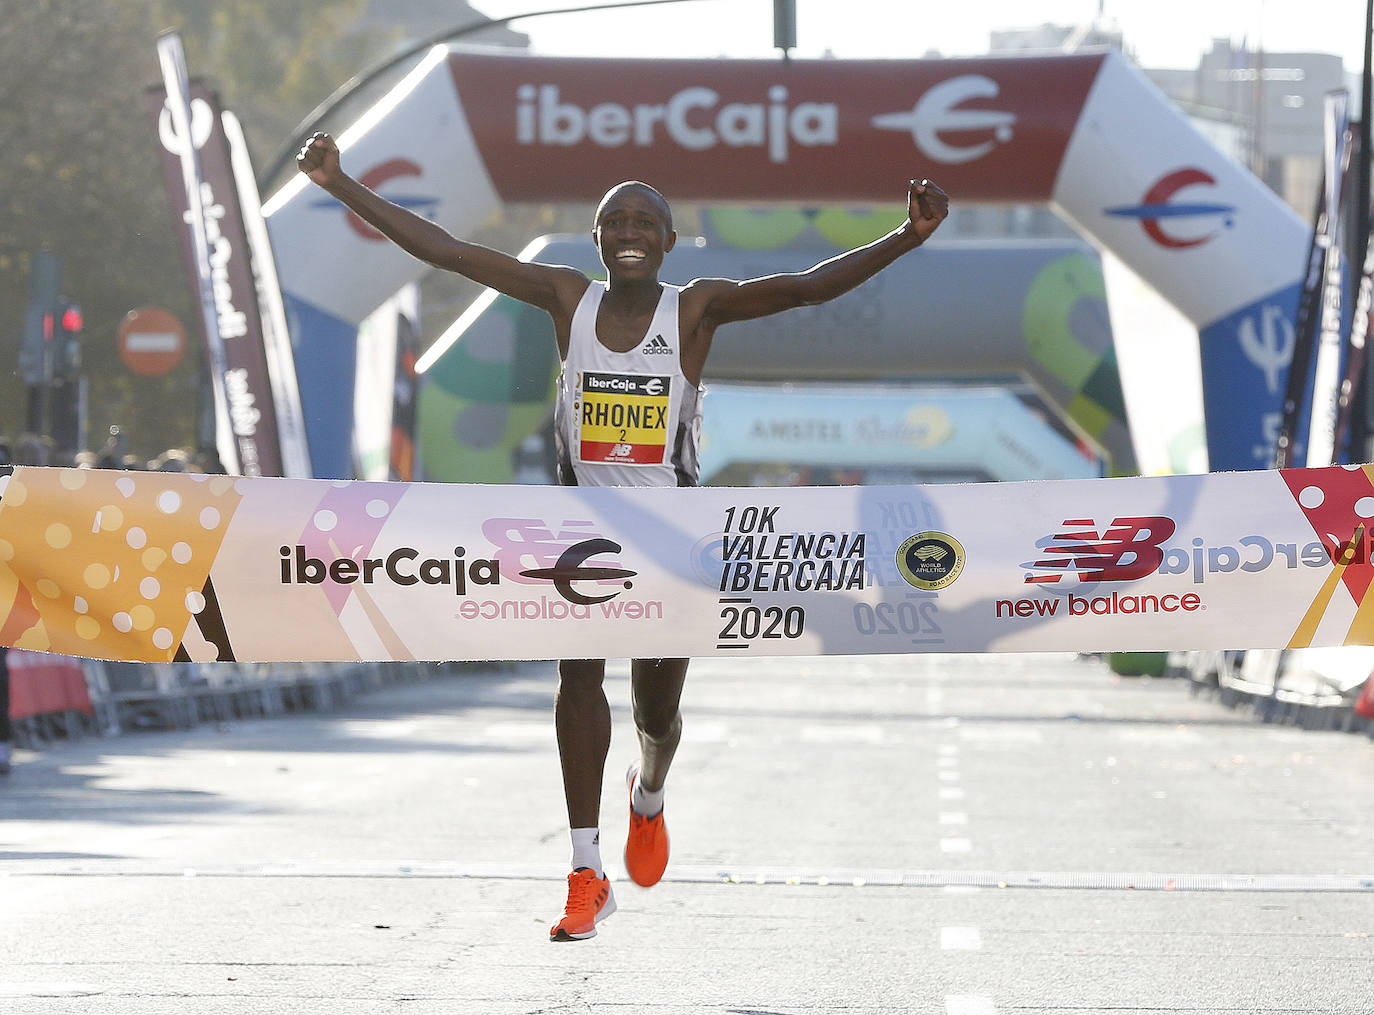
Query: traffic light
x=67 y=390
x=66 y=353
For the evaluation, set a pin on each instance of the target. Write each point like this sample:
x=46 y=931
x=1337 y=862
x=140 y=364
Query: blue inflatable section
x=1245 y=358
x=326 y=353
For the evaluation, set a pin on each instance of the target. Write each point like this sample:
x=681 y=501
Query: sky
x=1163 y=33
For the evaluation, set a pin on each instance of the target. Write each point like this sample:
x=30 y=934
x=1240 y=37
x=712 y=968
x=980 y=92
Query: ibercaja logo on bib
x=930 y=560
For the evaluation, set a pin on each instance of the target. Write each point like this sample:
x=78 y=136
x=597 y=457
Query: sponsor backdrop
x=1088 y=134
x=166 y=566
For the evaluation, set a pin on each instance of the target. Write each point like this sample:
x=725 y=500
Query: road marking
x=519 y=730
x=49 y=990
x=855 y=733
x=951 y=793
x=1134 y=881
x=706 y=732
x=957 y=1005
x=953 y=818
x=956 y=845
x=960 y=939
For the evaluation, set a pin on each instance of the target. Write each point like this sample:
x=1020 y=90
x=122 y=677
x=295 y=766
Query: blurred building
x=1263 y=109
x=1275 y=99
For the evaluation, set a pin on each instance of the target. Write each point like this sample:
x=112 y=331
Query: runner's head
x=633 y=229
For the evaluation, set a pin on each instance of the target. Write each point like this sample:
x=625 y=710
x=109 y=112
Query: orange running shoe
x=646 y=848
x=589 y=902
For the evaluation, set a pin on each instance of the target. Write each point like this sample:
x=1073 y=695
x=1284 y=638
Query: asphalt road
x=968 y=835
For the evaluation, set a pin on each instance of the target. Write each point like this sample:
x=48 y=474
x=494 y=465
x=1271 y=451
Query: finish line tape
x=156 y=567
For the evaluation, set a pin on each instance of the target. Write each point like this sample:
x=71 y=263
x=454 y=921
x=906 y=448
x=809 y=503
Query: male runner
x=642 y=332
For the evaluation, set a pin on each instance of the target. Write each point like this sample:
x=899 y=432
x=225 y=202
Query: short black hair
x=637 y=185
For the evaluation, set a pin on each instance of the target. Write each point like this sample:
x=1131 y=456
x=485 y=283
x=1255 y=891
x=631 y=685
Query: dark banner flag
x=403 y=400
x=215 y=247
x=385 y=390
x=1322 y=265
x=1330 y=346
x=1358 y=341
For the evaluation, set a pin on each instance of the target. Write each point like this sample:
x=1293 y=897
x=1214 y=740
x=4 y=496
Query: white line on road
x=955 y=1005
x=854 y=733
x=1134 y=881
x=960 y=939
x=49 y=990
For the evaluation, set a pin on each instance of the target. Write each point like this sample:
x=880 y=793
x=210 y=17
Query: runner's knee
x=580 y=676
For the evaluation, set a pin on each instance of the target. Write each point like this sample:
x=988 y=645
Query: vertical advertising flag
x=383 y=393
x=405 y=390
x=1321 y=440
x=276 y=338
x=1304 y=336
x=205 y=198
x=1358 y=341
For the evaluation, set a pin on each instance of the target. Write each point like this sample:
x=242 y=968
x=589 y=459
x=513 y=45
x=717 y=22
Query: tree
x=82 y=180
x=82 y=174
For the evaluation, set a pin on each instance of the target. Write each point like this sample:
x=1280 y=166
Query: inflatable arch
x=468 y=129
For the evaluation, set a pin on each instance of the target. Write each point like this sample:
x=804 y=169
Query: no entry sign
x=151 y=341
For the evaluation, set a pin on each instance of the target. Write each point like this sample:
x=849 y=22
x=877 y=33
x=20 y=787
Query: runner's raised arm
x=550 y=288
x=724 y=300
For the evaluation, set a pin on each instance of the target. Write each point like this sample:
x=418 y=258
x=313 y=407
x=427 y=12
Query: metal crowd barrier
x=1315 y=689
x=59 y=697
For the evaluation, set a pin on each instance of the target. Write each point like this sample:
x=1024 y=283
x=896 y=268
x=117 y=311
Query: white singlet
x=626 y=418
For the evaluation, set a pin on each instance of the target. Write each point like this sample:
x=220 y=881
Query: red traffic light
x=71 y=318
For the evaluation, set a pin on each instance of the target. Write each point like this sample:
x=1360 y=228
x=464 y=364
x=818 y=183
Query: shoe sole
x=606 y=911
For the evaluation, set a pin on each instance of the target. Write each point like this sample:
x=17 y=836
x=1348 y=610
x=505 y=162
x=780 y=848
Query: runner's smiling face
x=633 y=230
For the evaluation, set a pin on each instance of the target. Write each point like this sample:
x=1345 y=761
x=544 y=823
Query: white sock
x=645 y=804
x=586 y=849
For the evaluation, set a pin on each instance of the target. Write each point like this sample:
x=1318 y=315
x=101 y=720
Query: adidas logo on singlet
x=657 y=346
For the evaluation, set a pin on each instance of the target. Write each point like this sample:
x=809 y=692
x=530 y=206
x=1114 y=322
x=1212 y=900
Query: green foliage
x=82 y=179
x=272 y=62
x=82 y=171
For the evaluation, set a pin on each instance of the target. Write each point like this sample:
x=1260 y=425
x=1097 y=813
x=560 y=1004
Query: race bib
x=624 y=418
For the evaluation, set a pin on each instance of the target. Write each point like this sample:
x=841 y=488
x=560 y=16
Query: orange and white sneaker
x=590 y=901
x=646 y=847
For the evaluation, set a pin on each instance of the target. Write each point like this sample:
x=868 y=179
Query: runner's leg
x=655 y=696
x=582 y=718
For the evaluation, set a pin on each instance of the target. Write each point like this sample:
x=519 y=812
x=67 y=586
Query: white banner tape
x=165 y=566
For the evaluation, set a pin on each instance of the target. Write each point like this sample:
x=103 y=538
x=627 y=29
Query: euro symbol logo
x=653 y=386
x=1160 y=207
x=569 y=569
x=937 y=112
x=1269 y=343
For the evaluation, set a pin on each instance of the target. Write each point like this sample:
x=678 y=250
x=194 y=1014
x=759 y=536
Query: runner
x=633 y=350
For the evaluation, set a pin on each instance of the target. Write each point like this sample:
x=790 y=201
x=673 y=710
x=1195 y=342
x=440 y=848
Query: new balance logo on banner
x=658 y=346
